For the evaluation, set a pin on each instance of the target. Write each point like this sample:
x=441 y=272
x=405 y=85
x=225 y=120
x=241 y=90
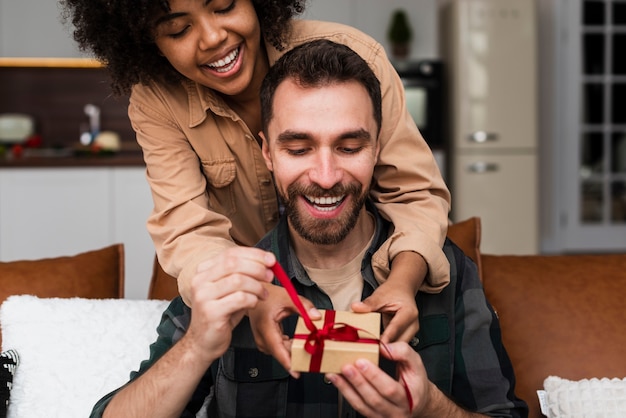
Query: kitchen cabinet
x=492 y=58
x=50 y=212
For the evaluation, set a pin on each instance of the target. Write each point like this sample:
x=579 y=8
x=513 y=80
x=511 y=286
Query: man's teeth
x=322 y=203
x=226 y=63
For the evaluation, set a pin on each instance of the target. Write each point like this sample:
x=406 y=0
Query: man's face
x=322 y=147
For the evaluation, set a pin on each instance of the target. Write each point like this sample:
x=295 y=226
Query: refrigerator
x=490 y=51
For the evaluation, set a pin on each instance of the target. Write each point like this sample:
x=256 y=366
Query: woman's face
x=216 y=43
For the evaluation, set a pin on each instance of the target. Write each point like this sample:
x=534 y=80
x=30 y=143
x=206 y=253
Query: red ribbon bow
x=314 y=344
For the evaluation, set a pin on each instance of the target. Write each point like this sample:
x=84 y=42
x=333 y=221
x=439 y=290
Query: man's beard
x=323 y=231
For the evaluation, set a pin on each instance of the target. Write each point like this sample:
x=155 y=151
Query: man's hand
x=373 y=393
x=223 y=290
x=265 y=321
x=395 y=298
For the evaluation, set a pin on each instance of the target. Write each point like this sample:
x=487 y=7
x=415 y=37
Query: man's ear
x=377 y=152
x=265 y=149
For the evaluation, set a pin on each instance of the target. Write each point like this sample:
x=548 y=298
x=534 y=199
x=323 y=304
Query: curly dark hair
x=119 y=33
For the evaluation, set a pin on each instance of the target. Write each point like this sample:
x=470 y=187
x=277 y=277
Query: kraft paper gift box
x=335 y=354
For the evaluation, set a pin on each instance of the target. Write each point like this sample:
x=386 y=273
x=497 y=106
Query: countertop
x=60 y=160
x=129 y=154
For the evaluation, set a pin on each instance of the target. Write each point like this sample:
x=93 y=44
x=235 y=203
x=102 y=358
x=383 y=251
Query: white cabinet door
x=131 y=206
x=53 y=212
x=502 y=190
x=66 y=211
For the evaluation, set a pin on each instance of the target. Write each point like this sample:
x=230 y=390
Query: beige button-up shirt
x=212 y=190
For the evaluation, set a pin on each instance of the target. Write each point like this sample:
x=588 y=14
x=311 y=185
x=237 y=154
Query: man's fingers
x=351 y=394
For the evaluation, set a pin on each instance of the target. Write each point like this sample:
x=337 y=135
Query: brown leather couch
x=560 y=315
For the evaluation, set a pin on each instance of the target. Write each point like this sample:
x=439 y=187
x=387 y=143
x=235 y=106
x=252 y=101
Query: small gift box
x=340 y=338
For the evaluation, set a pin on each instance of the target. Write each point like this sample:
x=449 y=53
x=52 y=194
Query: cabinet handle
x=482 y=167
x=483 y=136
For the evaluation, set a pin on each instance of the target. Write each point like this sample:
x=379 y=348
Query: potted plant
x=400 y=34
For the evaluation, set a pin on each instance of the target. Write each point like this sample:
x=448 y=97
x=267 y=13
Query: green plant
x=399 y=31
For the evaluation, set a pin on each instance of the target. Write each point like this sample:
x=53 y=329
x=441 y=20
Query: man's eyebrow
x=357 y=134
x=289 y=135
x=172 y=16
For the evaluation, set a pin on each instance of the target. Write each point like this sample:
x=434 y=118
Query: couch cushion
x=466 y=234
x=560 y=315
x=74 y=351
x=604 y=398
x=92 y=274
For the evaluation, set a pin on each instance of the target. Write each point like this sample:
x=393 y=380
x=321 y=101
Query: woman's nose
x=212 y=34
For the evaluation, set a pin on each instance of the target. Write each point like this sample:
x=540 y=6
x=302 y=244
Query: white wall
x=33 y=28
x=373 y=16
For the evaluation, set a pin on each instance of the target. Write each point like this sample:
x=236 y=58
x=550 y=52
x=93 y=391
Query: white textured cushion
x=587 y=398
x=74 y=351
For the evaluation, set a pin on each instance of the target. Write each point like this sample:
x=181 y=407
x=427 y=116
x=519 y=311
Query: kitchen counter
x=60 y=160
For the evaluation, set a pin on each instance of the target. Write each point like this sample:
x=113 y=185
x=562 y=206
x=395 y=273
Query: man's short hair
x=316 y=64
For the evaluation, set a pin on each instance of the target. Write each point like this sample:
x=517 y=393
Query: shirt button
x=328 y=382
x=266 y=182
x=253 y=372
x=414 y=342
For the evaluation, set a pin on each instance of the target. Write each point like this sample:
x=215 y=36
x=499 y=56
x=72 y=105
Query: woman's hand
x=395 y=298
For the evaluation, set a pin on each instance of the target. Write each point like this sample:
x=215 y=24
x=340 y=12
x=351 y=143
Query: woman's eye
x=179 y=33
x=228 y=8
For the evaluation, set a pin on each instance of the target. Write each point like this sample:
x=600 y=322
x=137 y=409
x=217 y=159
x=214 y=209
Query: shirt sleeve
x=408 y=188
x=178 y=189
x=483 y=377
x=174 y=323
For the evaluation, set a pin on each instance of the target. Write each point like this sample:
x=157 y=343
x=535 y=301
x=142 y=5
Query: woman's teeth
x=225 y=64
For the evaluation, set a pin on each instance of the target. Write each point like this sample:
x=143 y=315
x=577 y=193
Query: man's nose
x=326 y=171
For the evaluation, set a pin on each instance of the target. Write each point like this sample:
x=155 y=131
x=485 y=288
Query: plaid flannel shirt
x=459 y=342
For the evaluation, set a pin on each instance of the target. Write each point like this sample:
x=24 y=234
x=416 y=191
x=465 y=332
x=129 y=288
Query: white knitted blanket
x=74 y=351
x=587 y=398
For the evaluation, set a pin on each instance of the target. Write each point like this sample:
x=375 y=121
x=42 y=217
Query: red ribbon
x=314 y=344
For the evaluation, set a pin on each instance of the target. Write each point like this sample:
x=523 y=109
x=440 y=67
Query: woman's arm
x=206 y=197
x=408 y=190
